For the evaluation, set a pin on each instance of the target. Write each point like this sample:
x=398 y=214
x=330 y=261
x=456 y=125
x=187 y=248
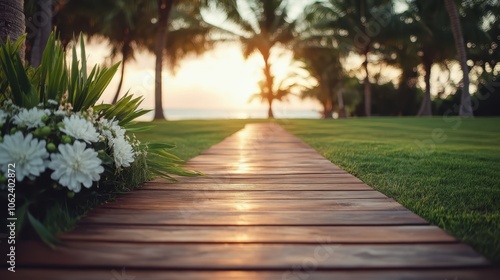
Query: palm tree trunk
x=164 y=8
x=122 y=73
x=270 y=114
x=12 y=22
x=465 y=100
x=425 y=107
x=269 y=85
x=367 y=88
x=340 y=99
x=328 y=109
x=42 y=33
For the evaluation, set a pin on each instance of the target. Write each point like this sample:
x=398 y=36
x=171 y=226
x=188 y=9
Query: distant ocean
x=210 y=114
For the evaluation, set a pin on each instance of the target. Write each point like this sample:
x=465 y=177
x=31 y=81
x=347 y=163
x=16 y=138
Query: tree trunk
x=164 y=8
x=425 y=107
x=340 y=100
x=465 y=100
x=12 y=21
x=269 y=84
x=367 y=88
x=43 y=24
x=122 y=73
x=270 y=114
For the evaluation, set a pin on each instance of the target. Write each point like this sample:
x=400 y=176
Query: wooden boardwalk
x=270 y=208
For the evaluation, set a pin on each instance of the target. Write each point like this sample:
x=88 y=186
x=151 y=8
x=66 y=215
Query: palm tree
x=293 y=83
x=428 y=31
x=179 y=31
x=119 y=21
x=356 y=26
x=324 y=65
x=465 y=100
x=260 y=26
x=12 y=21
x=164 y=7
x=38 y=27
x=122 y=25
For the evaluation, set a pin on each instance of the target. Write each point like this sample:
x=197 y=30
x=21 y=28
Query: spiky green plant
x=46 y=210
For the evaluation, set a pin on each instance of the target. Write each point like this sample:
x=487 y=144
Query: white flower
x=112 y=130
x=80 y=129
x=31 y=118
x=3 y=116
x=122 y=152
x=60 y=112
x=52 y=102
x=28 y=154
x=75 y=165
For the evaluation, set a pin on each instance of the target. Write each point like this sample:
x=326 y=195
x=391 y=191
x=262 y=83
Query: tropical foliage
x=59 y=149
x=371 y=38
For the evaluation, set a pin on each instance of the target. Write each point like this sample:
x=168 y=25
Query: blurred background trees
x=374 y=57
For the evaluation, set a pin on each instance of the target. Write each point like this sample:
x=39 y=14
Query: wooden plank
x=260 y=234
x=258 y=205
x=249 y=195
x=248 y=256
x=258 y=160
x=261 y=157
x=268 y=165
x=243 y=169
x=270 y=203
x=287 y=177
x=302 y=272
x=299 y=180
x=254 y=170
x=221 y=186
x=193 y=216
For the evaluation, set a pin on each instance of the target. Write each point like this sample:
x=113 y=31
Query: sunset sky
x=222 y=78
x=219 y=79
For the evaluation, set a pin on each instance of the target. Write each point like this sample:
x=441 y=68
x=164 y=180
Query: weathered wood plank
x=260 y=234
x=190 y=215
x=122 y=273
x=269 y=203
x=300 y=180
x=242 y=170
x=162 y=185
x=258 y=205
x=285 y=177
x=258 y=160
x=248 y=256
x=249 y=195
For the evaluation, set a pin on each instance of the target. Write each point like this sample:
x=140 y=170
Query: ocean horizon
x=213 y=114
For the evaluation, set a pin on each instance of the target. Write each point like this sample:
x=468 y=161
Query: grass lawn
x=446 y=170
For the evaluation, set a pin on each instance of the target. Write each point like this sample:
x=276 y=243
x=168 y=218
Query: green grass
x=445 y=170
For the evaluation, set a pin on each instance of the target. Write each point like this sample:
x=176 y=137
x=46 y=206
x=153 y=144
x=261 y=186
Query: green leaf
x=154 y=146
x=23 y=92
x=46 y=236
x=21 y=217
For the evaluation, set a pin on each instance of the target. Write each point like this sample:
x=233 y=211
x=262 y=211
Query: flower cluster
x=72 y=149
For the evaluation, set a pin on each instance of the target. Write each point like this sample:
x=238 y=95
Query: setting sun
x=220 y=79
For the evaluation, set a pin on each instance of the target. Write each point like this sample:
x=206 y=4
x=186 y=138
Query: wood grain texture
x=190 y=215
x=250 y=195
x=290 y=274
x=249 y=256
x=270 y=207
x=225 y=186
x=235 y=205
x=260 y=234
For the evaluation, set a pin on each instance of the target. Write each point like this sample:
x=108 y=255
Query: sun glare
x=219 y=79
